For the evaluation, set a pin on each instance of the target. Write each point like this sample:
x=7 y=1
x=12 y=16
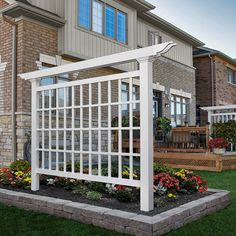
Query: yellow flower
x=28 y=180
x=125 y=172
x=19 y=173
x=171 y=195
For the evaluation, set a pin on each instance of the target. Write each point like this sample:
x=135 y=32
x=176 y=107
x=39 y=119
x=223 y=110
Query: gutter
x=13 y=82
x=212 y=80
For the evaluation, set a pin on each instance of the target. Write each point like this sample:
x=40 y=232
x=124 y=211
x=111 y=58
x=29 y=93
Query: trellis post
x=146 y=133
x=34 y=136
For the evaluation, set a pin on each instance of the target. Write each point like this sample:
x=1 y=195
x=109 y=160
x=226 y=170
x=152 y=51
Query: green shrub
x=159 y=167
x=225 y=130
x=80 y=189
x=98 y=187
x=93 y=195
x=125 y=195
x=20 y=165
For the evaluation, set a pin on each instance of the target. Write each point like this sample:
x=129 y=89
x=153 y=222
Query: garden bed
x=121 y=221
x=162 y=204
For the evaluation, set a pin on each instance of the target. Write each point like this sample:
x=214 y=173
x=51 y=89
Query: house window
x=157 y=104
x=125 y=97
x=154 y=38
x=121 y=27
x=110 y=22
x=179 y=109
x=56 y=80
x=231 y=76
x=97 y=16
x=84 y=13
x=103 y=19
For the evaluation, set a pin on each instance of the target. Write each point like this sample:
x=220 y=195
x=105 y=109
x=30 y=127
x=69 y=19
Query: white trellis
x=64 y=129
x=220 y=113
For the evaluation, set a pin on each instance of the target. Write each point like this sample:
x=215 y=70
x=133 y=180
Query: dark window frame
x=104 y=22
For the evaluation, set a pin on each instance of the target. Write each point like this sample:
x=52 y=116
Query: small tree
x=163 y=124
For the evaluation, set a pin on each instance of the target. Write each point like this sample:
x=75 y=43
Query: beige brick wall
x=176 y=76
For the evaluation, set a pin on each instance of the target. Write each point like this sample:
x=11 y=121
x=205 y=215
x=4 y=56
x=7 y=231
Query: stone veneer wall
x=5 y=90
x=32 y=39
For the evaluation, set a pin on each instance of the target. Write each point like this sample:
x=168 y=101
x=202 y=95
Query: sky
x=211 y=21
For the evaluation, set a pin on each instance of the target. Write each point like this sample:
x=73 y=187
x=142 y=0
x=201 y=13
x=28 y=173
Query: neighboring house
x=50 y=33
x=215 y=80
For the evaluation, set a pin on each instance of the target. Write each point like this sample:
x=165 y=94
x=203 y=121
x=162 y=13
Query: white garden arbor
x=68 y=118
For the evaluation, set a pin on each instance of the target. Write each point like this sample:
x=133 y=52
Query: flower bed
x=171 y=188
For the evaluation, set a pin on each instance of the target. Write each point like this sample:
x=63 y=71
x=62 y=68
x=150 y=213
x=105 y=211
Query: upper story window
x=84 y=16
x=97 y=16
x=231 y=76
x=121 y=27
x=103 y=19
x=154 y=38
x=110 y=22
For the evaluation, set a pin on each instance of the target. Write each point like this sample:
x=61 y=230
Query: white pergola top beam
x=110 y=60
x=225 y=107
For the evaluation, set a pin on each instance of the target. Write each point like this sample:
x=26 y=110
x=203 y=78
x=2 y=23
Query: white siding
x=87 y=44
x=55 y=6
x=181 y=53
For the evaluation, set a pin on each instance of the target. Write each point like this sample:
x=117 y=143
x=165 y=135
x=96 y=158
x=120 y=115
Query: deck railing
x=185 y=139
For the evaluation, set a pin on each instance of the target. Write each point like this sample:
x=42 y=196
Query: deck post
x=34 y=137
x=146 y=133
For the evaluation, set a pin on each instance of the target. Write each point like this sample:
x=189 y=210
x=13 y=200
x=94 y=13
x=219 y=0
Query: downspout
x=13 y=82
x=212 y=80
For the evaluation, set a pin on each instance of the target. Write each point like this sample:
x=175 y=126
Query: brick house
x=215 y=80
x=38 y=33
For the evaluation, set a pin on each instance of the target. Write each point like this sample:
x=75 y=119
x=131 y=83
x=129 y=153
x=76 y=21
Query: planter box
x=120 y=221
x=219 y=151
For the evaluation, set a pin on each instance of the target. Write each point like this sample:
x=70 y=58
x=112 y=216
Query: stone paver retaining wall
x=121 y=221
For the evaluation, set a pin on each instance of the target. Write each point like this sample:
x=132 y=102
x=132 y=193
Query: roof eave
x=18 y=9
x=139 y=5
x=220 y=54
x=154 y=19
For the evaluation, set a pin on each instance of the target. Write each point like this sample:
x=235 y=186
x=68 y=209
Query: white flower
x=50 y=181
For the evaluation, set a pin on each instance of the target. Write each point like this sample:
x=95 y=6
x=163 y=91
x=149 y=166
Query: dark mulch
x=107 y=201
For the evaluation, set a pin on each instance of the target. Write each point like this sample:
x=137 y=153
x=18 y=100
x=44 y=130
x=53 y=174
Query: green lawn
x=17 y=222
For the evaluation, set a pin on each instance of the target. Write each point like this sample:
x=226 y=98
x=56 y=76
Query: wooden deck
x=197 y=161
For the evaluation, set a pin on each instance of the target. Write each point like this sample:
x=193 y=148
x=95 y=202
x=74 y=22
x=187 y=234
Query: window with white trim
x=55 y=80
x=125 y=97
x=154 y=38
x=231 y=76
x=179 y=109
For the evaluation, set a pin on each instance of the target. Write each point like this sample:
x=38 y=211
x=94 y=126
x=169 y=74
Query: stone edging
x=121 y=221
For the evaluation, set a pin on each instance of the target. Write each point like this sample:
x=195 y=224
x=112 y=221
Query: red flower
x=167 y=180
x=218 y=143
x=120 y=187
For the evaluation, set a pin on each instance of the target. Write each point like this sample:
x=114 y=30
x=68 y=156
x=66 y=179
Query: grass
x=223 y=223
x=23 y=223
